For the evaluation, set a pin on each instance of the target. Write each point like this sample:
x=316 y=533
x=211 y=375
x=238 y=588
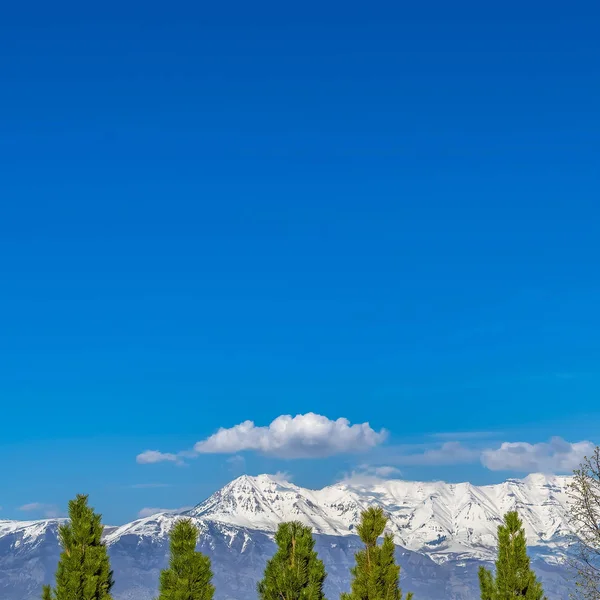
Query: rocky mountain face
x=443 y=533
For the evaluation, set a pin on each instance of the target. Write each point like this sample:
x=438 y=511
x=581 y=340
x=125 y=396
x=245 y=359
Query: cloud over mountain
x=303 y=436
x=49 y=511
x=449 y=453
x=555 y=456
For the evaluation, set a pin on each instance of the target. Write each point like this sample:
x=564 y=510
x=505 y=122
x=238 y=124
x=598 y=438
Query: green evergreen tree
x=83 y=571
x=295 y=572
x=514 y=577
x=189 y=574
x=376 y=575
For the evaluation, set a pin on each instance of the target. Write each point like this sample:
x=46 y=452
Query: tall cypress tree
x=295 y=572
x=376 y=575
x=83 y=571
x=514 y=577
x=189 y=574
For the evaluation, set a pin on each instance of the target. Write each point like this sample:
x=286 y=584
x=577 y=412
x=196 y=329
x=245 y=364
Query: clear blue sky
x=385 y=212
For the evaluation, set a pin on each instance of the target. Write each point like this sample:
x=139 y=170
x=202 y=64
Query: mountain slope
x=430 y=517
x=443 y=532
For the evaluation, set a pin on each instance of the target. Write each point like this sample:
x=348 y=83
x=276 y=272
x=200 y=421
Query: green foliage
x=376 y=575
x=83 y=571
x=514 y=577
x=295 y=572
x=189 y=574
x=486 y=584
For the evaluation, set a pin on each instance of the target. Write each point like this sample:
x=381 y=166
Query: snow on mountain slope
x=432 y=517
x=28 y=532
x=443 y=532
x=263 y=502
x=428 y=517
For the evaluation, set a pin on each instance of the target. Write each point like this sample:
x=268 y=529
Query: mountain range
x=443 y=532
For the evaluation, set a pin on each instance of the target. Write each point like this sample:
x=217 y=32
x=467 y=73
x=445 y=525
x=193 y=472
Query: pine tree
x=189 y=574
x=514 y=577
x=376 y=575
x=83 y=571
x=295 y=572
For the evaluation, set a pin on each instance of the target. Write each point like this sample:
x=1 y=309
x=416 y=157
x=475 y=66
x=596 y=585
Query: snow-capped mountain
x=434 y=517
x=443 y=531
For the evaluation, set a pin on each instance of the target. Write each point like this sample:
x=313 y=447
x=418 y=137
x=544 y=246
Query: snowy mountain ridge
x=435 y=518
x=443 y=531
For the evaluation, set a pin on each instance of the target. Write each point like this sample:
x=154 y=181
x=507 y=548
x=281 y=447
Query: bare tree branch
x=584 y=494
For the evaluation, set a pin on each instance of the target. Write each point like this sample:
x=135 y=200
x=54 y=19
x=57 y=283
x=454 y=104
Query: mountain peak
x=260 y=480
x=437 y=515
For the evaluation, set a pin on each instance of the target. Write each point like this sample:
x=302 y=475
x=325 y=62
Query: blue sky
x=213 y=214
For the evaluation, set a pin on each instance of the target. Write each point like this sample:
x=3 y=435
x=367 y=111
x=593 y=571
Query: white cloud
x=32 y=506
x=237 y=463
x=302 y=436
x=449 y=453
x=154 y=456
x=48 y=510
x=148 y=512
x=282 y=476
x=370 y=475
x=385 y=471
x=555 y=456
